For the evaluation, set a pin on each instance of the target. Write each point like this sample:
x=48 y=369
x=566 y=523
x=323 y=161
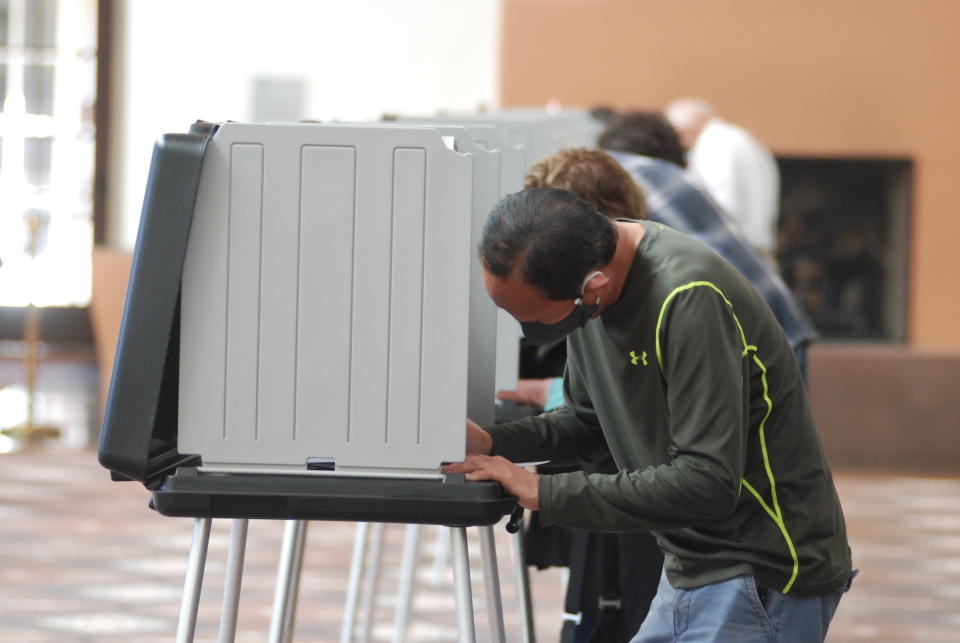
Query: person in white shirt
x=738 y=171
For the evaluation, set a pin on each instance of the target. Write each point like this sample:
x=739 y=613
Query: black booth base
x=451 y=501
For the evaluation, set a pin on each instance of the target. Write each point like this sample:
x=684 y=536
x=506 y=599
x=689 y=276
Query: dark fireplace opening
x=843 y=243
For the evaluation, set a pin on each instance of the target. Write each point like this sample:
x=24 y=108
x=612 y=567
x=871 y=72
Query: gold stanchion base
x=31 y=433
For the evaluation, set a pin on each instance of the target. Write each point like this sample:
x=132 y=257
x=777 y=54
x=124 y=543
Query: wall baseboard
x=887 y=407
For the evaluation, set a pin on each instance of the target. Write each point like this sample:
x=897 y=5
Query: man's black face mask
x=539 y=334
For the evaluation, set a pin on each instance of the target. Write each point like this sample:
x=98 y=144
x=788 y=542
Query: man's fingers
x=511 y=396
x=479 y=474
x=459 y=467
x=514 y=479
x=471 y=463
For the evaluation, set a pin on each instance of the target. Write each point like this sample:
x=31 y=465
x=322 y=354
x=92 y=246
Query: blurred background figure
x=735 y=168
x=643 y=133
x=603 y=113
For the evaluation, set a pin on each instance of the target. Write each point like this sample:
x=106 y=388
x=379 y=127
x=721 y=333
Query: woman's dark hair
x=645 y=134
x=553 y=237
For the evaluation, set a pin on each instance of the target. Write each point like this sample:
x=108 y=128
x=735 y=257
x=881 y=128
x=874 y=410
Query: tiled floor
x=83 y=559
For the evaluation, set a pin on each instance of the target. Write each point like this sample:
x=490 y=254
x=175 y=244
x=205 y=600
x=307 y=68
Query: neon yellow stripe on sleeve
x=775 y=512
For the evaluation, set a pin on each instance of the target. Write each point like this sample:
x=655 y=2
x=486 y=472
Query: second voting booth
x=305 y=330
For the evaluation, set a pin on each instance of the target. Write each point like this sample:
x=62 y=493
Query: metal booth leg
x=491 y=584
x=353 y=588
x=408 y=572
x=194 y=580
x=441 y=556
x=522 y=578
x=288 y=581
x=461 y=582
x=372 y=581
x=231 y=588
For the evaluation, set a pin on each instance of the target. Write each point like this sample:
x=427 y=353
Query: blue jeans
x=740 y=610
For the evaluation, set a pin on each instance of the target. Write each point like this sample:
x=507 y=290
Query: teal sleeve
x=555 y=394
x=704 y=369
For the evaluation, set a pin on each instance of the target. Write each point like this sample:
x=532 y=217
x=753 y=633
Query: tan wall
x=819 y=77
x=111 y=271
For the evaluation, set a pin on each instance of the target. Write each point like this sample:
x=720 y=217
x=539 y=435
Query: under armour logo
x=635 y=359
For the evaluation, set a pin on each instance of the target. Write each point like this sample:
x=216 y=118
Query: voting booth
x=524 y=136
x=497 y=171
x=306 y=328
x=327 y=301
x=296 y=340
x=510 y=157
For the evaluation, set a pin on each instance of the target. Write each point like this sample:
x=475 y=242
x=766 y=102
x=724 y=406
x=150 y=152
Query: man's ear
x=597 y=282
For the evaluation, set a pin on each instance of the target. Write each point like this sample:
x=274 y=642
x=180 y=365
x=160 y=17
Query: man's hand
x=479 y=441
x=531 y=392
x=517 y=482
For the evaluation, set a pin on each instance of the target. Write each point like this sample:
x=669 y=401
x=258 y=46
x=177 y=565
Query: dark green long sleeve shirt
x=688 y=381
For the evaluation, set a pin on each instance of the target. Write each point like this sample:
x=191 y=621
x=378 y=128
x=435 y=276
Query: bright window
x=48 y=63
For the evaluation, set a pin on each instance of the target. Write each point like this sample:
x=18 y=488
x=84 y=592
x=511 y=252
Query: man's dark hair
x=552 y=236
x=645 y=134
